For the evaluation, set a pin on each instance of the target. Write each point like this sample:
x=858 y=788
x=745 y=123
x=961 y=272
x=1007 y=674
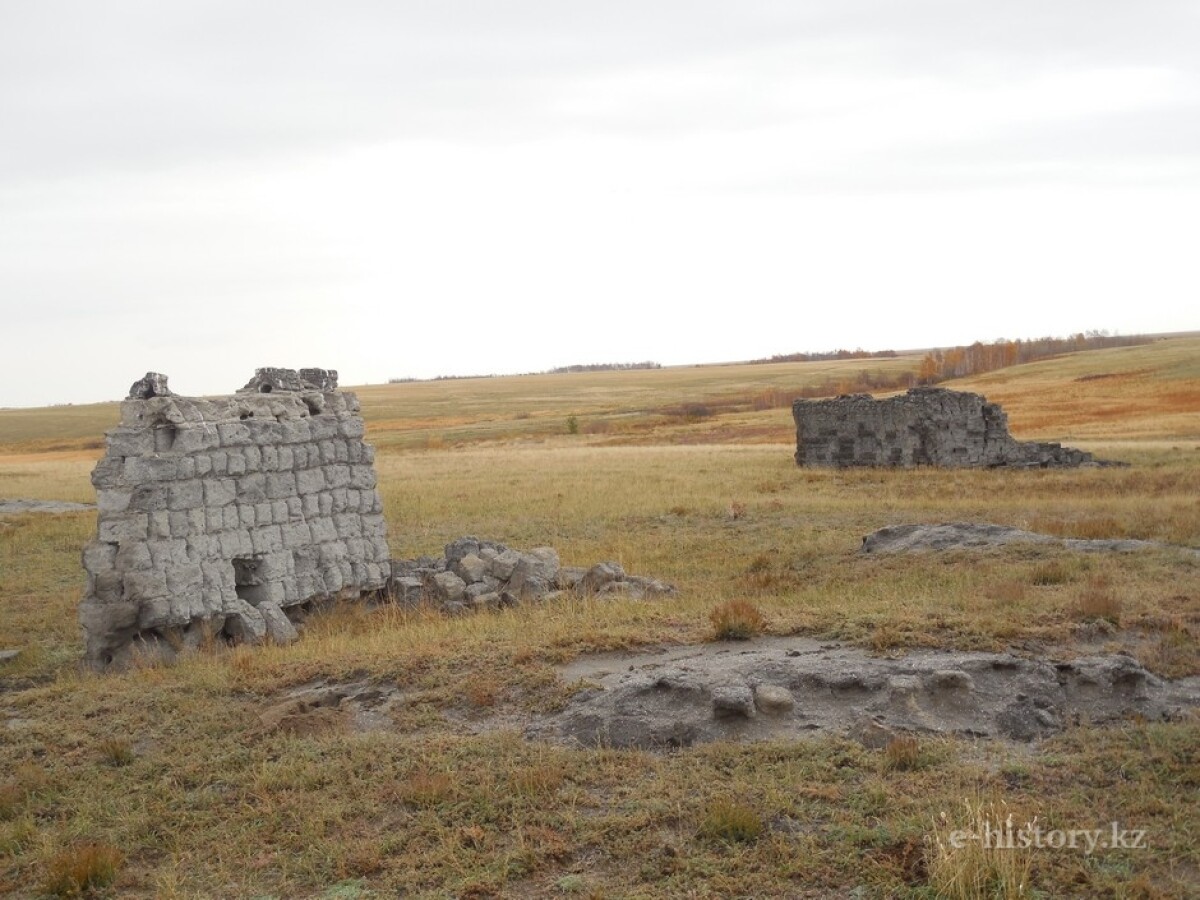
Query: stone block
x=109 y=473
x=325 y=503
x=310 y=481
x=99 y=556
x=337 y=476
x=279 y=629
x=233 y=434
x=296 y=535
x=113 y=500
x=141 y=586
x=348 y=525
x=143 y=469
x=244 y=623
x=267 y=540
x=352 y=428
x=253 y=458
x=179 y=524
x=323 y=427
x=280 y=485
x=126 y=441
x=128 y=526
x=251 y=488
x=132 y=557
x=236 y=464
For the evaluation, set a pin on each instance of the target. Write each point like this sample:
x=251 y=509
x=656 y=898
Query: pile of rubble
x=479 y=574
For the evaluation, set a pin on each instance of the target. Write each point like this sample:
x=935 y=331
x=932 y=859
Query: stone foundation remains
x=925 y=427
x=220 y=517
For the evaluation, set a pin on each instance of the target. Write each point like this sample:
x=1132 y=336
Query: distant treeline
x=826 y=356
x=604 y=367
x=937 y=365
x=957 y=362
x=563 y=370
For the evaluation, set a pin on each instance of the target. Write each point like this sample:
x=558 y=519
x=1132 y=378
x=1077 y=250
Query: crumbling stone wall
x=926 y=426
x=220 y=517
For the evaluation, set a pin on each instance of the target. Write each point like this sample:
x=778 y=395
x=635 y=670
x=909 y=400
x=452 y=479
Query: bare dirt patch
x=977 y=536
x=780 y=688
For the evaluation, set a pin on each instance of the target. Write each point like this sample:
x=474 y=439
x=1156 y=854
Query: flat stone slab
x=42 y=506
x=740 y=691
x=982 y=535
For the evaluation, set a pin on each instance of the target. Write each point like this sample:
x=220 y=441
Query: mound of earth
x=974 y=535
x=42 y=506
x=781 y=688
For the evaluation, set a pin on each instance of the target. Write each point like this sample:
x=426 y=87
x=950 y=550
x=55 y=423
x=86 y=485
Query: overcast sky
x=420 y=188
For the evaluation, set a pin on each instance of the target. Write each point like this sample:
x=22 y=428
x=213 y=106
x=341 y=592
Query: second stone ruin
x=924 y=427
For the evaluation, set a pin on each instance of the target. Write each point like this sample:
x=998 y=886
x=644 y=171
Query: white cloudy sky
x=419 y=188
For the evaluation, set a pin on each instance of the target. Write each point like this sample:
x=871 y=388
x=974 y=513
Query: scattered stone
x=975 y=536
x=448 y=587
x=280 y=629
x=601 y=574
x=925 y=427
x=246 y=624
x=480 y=574
x=8 y=655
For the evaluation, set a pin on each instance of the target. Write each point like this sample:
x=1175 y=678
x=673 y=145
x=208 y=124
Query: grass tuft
x=964 y=861
x=425 y=789
x=77 y=870
x=736 y=620
x=1049 y=574
x=1098 y=601
x=902 y=754
x=116 y=751
x=728 y=820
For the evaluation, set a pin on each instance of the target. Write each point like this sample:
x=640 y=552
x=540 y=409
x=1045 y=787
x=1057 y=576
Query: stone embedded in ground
x=211 y=507
x=981 y=535
x=730 y=700
x=687 y=695
x=9 y=655
x=871 y=733
x=925 y=427
x=773 y=699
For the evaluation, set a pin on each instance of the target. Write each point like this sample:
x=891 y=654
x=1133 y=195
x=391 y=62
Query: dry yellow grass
x=172 y=765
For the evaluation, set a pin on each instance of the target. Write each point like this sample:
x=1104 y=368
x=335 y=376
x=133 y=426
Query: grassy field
x=169 y=777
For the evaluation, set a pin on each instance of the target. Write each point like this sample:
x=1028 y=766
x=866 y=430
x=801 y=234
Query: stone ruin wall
x=924 y=427
x=219 y=518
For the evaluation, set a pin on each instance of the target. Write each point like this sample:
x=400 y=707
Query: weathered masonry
x=925 y=427
x=219 y=518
